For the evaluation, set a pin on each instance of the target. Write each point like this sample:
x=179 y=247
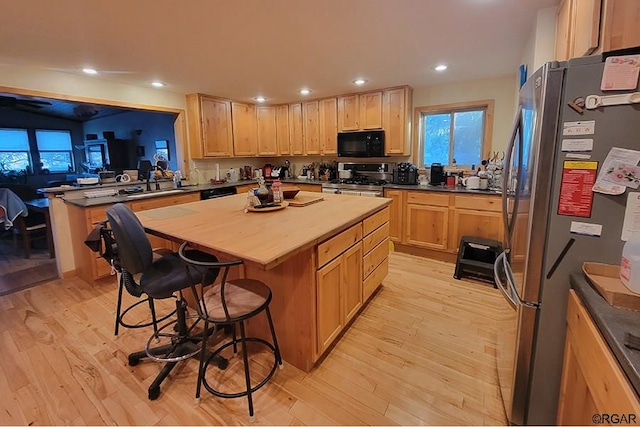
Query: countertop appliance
x=366 y=179
x=436 y=174
x=405 y=174
x=531 y=338
x=369 y=143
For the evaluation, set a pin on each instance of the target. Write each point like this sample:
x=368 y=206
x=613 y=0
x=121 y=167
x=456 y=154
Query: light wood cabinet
x=396 y=214
x=328 y=126
x=282 y=130
x=620 y=24
x=348 y=116
x=360 y=111
x=427 y=220
x=311 y=128
x=89 y=265
x=210 y=128
x=592 y=380
x=296 y=134
x=267 y=129
x=467 y=222
x=396 y=120
x=587 y=26
x=245 y=141
x=370 y=110
x=339 y=285
x=330 y=310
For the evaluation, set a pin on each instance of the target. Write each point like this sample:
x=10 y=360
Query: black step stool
x=476 y=257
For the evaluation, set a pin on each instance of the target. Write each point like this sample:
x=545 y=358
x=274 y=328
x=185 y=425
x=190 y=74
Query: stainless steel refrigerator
x=534 y=275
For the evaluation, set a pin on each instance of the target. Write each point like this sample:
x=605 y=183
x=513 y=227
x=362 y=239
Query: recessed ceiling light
x=440 y=67
x=305 y=91
x=359 y=82
x=260 y=98
x=157 y=84
x=89 y=71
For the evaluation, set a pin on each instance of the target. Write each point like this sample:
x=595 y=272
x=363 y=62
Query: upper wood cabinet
x=245 y=141
x=396 y=120
x=360 y=111
x=267 y=142
x=282 y=129
x=348 y=118
x=311 y=128
x=296 y=134
x=328 y=126
x=370 y=110
x=210 y=129
x=620 y=24
x=587 y=26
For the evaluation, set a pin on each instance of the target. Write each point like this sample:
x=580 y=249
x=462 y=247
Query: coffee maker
x=437 y=174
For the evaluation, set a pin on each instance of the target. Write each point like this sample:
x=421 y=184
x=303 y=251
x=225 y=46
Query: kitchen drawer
x=373 y=259
x=98 y=214
x=480 y=203
x=161 y=202
x=375 y=221
x=375 y=278
x=427 y=198
x=338 y=244
x=372 y=240
x=102 y=267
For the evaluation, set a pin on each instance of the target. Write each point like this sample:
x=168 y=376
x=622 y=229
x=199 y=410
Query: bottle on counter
x=177 y=179
x=630 y=263
x=276 y=187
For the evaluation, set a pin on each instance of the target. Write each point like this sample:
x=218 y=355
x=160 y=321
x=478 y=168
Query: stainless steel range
x=360 y=179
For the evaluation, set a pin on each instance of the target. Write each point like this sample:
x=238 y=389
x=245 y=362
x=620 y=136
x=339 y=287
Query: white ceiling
x=243 y=48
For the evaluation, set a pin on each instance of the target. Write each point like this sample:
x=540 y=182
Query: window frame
x=28 y=151
x=419 y=112
x=70 y=151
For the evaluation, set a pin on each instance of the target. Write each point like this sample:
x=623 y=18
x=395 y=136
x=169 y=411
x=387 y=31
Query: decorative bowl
x=290 y=192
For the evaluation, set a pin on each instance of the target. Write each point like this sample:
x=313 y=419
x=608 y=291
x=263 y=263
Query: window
x=459 y=132
x=14 y=150
x=55 y=150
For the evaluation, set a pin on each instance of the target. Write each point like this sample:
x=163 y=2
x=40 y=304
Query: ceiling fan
x=12 y=102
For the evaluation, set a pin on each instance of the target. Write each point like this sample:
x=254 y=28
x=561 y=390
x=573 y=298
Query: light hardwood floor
x=422 y=352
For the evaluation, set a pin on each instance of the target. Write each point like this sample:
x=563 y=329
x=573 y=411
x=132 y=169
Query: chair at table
x=159 y=279
x=229 y=304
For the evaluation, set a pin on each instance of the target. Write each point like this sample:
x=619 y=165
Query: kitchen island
x=321 y=261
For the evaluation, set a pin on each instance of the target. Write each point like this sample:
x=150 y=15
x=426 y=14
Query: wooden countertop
x=264 y=238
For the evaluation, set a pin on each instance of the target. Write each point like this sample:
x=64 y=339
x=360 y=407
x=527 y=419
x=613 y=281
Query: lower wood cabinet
x=351 y=266
x=467 y=222
x=89 y=265
x=592 y=380
x=427 y=226
x=396 y=213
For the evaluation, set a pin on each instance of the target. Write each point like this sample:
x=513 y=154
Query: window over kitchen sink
x=455 y=134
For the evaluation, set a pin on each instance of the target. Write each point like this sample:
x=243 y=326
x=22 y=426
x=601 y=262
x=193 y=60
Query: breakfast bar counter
x=322 y=261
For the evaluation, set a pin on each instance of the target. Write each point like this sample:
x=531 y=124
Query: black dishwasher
x=214 y=193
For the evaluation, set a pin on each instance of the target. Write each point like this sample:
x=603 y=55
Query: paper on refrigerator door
x=616 y=155
x=631 y=222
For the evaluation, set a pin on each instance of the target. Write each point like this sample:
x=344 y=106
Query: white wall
x=541 y=45
x=501 y=90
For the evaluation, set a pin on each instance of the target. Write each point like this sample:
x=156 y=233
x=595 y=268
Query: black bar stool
x=229 y=304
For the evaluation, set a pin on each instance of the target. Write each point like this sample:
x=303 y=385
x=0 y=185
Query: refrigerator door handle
x=505 y=181
x=511 y=282
x=507 y=295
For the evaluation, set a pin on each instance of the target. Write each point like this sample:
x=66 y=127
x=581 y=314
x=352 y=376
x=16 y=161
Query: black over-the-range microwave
x=368 y=143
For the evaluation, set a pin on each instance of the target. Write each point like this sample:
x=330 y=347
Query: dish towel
x=12 y=205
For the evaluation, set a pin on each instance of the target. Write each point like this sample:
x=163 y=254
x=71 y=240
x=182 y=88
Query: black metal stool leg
x=152 y=308
x=273 y=336
x=118 y=306
x=247 y=375
x=201 y=370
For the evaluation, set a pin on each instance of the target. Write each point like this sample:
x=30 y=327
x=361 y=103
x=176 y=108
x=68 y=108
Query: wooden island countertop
x=322 y=261
x=264 y=238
